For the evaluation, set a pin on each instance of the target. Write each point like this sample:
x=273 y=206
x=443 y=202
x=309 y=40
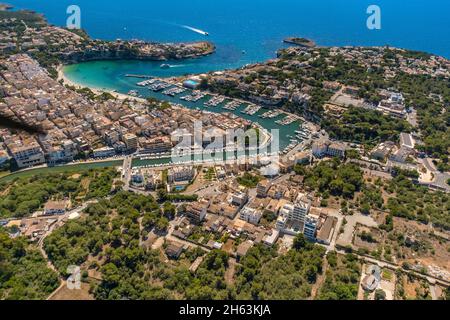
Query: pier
x=138 y=76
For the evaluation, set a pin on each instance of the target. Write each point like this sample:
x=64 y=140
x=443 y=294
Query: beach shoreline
x=66 y=81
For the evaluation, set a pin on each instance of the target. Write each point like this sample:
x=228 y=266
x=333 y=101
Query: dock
x=138 y=76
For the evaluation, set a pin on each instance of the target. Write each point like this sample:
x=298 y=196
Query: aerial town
x=354 y=206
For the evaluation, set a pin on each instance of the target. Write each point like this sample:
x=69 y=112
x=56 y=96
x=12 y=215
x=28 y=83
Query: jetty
x=215 y=101
x=251 y=110
x=232 y=105
x=138 y=76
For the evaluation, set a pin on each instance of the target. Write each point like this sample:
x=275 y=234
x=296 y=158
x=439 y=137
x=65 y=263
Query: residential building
x=105 y=152
x=251 y=215
x=325 y=234
x=196 y=264
x=310 y=227
x=157 y=145
x=407 y=141
x=4 y=157
x=326 y=148
x=383 y=150
x=239 y=199
x=319 y=149
x=28 y=155
x=131 y=141
x=301 y=209
x=303 y=157
x=52 y=208
x=285 y=212
x=271 y=239
x=263 y=188
x=181 y=174
x=336 y=149
x=372 y=279
x=174 y=250
x=196 y=212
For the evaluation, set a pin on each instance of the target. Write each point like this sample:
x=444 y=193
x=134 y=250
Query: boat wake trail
x=196 y=30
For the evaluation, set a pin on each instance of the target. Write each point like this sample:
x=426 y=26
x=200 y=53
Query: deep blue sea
x=259 y=26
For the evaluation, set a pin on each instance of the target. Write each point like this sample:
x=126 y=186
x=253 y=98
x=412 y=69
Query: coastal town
x=353 y=206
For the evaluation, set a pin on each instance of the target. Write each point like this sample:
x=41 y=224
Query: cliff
x=137 y=50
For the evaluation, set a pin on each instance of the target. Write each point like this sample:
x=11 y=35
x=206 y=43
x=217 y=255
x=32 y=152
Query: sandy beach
x=67 y=81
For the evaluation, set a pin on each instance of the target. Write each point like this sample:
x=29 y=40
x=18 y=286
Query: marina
x=159 y=86
x=232 y=105
x=195 y=96
x=286 y=121
x=251 y=110
x=146 y=83
x=271 y=114
x=174 y=91
x=232 y=108
x=215 y=101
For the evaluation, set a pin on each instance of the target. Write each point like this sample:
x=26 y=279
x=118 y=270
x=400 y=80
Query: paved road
x=126 y=172
x=440 y=179
x=428 y=163
x=384 y=264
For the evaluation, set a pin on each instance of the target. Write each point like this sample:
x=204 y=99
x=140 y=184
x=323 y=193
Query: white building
x=301 y=209
x=336 y=149
x=327 y=148
x=285 y=212
x=310 y=228
x=180 y=174
x=28 y=156
x=239 y=199
x=319 y=149
x=105 y=152
x=55 y=208
x=407 y=141
x=196 y=212
x=250 y=215
x=271 y=239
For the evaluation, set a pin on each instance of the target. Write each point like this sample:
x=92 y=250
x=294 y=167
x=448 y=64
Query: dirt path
x=320 y=280
x=229 y=274
x=5 y=192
